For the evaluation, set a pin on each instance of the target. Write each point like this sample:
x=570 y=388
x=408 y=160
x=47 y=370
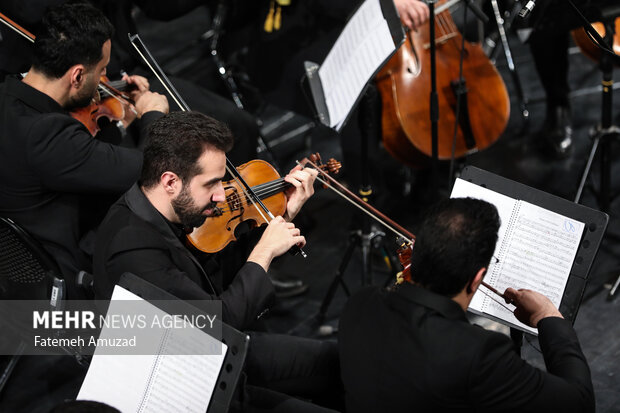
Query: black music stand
x=595 y=226
x=236 y=341
x=366 y=237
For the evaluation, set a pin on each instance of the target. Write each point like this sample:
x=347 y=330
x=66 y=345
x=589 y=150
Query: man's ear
x=475 y=282
x=77 y=74
x=170 y=182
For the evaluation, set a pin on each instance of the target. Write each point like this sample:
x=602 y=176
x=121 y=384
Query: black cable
x=457 y=111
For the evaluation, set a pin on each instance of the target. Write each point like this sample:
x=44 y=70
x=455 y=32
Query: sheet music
x=504 y=205
x=539 y=254
x=536 y=248
x=157 y=383
x=361 y=48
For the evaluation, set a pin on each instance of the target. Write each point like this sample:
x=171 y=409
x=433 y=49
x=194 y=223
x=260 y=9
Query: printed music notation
x=364 y=44
x=536 y=248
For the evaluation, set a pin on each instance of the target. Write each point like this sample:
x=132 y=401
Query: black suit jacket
x=135 y=237
x=413 y=350
x=48 y=161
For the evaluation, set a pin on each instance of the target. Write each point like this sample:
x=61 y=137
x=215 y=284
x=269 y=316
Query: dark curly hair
x=71 y=33
x=457 y=237
x=177 y=140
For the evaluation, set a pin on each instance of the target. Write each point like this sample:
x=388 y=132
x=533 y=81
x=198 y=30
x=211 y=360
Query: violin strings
x=261 y=191
x=109 y=92
x=250 y=198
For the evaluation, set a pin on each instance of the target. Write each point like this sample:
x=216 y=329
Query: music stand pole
x=605 y=132
x=366 y=238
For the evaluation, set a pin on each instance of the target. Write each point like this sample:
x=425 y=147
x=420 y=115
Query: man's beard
x=84 y=96
x=190 y=215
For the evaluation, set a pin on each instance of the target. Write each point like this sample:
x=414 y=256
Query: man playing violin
x=145 y=233
x=413 y=349
x=180 y=186
x=49 y=161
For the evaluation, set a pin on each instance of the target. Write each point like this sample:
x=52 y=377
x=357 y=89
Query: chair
x=27 y=272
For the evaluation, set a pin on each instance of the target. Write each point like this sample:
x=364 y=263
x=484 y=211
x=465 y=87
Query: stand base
x=367 y=242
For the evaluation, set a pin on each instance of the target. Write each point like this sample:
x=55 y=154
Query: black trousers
x=550 y=39
x=288 y=373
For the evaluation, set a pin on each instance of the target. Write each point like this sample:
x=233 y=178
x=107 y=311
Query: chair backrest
x=27 y=271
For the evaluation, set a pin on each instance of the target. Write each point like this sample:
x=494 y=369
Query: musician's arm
x=501 y=380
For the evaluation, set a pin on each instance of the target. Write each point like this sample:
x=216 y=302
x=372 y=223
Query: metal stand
x=490 y=47
x=365 y=238
x=226 y=75
x=603 y=135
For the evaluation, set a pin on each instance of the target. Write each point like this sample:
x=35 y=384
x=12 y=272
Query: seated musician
x=413 y=349
x=49 y=160
x=145 y=233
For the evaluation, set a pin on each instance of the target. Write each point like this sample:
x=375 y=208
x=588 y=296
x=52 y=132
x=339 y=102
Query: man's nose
x=219 y=195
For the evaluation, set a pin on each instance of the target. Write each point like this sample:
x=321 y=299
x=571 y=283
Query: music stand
x=366 y=237
x=236 y=341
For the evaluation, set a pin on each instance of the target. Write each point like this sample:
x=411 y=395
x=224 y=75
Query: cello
x=588 y=48
x=404 y=85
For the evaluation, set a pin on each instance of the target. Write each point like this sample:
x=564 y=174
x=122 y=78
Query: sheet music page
x=156 y=383
x=361 y=48
x=505 y=206
x=539 y=255
x=536 y=249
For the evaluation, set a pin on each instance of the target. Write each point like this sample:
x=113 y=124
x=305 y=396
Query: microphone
x=527 y=9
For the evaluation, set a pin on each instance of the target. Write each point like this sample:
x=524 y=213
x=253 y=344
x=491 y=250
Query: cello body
x=404 y=84
x=588 y=48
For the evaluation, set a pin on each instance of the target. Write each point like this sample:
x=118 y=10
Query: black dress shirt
x=134 y=237
x=48 y=163
x=413 y=350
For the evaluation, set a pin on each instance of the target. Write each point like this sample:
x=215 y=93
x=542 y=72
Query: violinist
x=145 y=233
x=50 y=163
x=413 y=349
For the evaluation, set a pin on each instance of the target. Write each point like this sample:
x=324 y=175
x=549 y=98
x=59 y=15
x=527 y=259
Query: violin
x=111 y=102
x=404 y=85
x=587 y=46
x=219 y=229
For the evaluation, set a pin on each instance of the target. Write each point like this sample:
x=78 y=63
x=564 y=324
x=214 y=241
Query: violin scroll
x=404 y=256
x=331 y=167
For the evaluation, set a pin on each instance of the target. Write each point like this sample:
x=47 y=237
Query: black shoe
x=289 y=288
x=557 y=132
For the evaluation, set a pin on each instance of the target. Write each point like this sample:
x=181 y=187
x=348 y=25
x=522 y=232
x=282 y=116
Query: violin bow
x=359 y=203
x=368 y=209
x=148 y=58
x=17 y=28
x=106 y=87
